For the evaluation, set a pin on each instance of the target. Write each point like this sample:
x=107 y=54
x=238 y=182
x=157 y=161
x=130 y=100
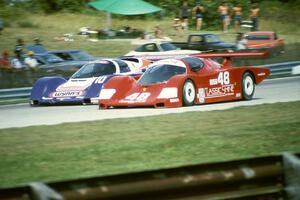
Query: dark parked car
x=50 y=64
x=205 y=42
x=69 y=55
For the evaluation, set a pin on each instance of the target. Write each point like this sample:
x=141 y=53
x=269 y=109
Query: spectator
x=16 y=63
x=237 y=17
x=198 y=11
x=37 y=46
x=184 y=12
x=1 y=26
x=177 y=25
x=30 y=61
x=241 y=41
x=223 y=11
x=254 y=13
x=37 y=41
x=158 y=32
x=4 y=60
x=19 y=48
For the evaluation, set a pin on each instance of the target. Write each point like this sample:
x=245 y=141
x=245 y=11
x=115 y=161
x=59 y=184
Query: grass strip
x=73 y=150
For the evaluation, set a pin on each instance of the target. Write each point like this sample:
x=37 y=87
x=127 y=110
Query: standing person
x=158 y=32
x=30 y=61
x=237 y=17
x=254 y=13
x=198 y=11
x=177 y=25
x=37 y=41
x=223 y=10
x=184 y=12
x=19 y=48
x=16 y=63
x=241 y=42
x=4 y=60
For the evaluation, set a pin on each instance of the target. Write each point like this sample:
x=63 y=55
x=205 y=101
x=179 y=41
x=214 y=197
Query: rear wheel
x=248 y=86
x=188 y=93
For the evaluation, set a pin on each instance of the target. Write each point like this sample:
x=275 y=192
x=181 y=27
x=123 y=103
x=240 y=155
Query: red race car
x=184 y=82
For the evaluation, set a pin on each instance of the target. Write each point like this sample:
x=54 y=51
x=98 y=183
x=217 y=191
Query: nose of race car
x=157 y=95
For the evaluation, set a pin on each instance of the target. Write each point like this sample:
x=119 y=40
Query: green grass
x=47 y=27
x=73 y=150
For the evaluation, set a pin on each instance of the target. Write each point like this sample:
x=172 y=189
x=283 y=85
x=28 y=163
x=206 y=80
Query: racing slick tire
x=248 y=86
x=188 y=93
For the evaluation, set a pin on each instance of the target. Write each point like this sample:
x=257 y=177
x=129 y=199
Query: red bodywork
x=127 y=92
x=264 y=40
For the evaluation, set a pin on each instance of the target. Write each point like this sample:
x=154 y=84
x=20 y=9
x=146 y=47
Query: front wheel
x=188 y=93
x=248 y=86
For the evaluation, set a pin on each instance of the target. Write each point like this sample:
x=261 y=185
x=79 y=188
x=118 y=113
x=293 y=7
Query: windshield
x=160 y=73
x=50 y=58
x=212 y=38
x=168 y=47
x=95 y=70
x=81 y=55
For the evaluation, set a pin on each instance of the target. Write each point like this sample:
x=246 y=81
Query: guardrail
x=15 y=93
x=263 y=178
x=279 y=69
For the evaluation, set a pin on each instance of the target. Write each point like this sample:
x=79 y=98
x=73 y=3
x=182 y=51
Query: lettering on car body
x=225 y=90
x=63 y=94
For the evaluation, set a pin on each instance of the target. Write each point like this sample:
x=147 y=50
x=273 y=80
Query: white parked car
x=160 y=49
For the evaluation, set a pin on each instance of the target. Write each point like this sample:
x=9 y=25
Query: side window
x=196 y=39
x=194 y=63
x=64 y=56
x=123 y=66
x=151 y=48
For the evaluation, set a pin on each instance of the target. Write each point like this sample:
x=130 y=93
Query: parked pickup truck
x=265 y=41
x=205 y=42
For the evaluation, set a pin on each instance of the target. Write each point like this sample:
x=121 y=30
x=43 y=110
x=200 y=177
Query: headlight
x=106 y=93
x=168 y=93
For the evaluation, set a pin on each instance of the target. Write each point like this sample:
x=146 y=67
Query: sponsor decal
x=202 y=100
x=238 y=95
x=261 y=74
x=201 y=95
x=174 y=100
x=63 y=94
x=213 y=81
x=76 y=84
x=224 y=90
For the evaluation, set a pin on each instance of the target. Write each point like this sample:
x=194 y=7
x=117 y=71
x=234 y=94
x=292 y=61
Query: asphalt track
x=22 y=115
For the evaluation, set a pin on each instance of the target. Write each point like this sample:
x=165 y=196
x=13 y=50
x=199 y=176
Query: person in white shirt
x=30 y=61
x=16 y=63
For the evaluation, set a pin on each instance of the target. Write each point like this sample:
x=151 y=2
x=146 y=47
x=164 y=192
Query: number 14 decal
x=223 y=78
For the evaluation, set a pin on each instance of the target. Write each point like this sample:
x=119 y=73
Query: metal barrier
x=15 y=93
x=279 y=69
x=263 y=178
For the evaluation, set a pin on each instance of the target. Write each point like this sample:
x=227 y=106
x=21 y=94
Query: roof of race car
x=176 y=62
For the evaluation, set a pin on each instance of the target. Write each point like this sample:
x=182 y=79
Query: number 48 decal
x=223 y=78
x=140 y=97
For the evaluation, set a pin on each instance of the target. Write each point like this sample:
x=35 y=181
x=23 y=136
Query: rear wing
x=227 y=56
